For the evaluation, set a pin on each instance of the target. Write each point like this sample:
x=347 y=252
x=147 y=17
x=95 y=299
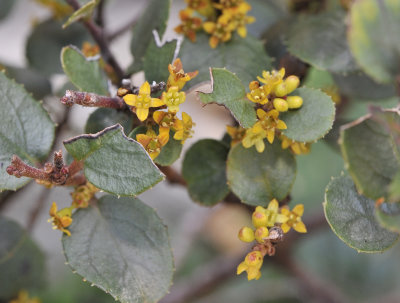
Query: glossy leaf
x=128 y=172
x=374 y=39
x=105 y=117
x=204 y=170
x=256 y=178
x=85 y=73
x=25 y=130
x=243 y=56
x=313 y=120
x=369 y=150
x=83 y=12
x=122 y=247
x=227 y=90
x=155 y=17
x=46 y=41
x=320 y=40
x=22 y=264
x=156 y=61
x=351 y=217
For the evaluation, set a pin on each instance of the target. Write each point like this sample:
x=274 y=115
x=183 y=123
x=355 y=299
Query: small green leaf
x=204 y=169
x=156 y=61
x=245 y=57
x=25 y=130
x=313 y=120
x=85 y=73
x=227 y=90
x=370 y=152
x=388 y=215
x=374 y=39
x=46 y=41
x=22 y=264
x=122 y=247
x=83 y=12
x=256 y=178
x=105 y=117
x=351 y=217
x=114 y=162
x=170 y=152
x=320 y=40
x=155 y=17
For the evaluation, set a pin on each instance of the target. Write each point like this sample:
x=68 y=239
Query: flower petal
x=155 y=102
x=130 y=99
x=300 y=227
x=142 y=113
x=298 y=209
x=145 y=89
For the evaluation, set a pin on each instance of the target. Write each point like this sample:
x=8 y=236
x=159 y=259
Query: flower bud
x=260 y=209
x=281 y=90
x=280 y=105
x=259 y=219
x=254 y=85
x=261 y=233
x=291 y=83
x=246 y=234
x=294 y=102
x=254 y=258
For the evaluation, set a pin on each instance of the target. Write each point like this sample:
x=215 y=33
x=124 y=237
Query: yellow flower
x=143 y=101
x=23 y=297
x=261 y=233
x=236 y=133
x=203 y=7
x=268 y=121
x=167 y=121
x=59 y=9
x=258 y=94
x=255 y=136
x=225 y=4
x=246 y=234
x=251 y=264
x=272 y=79
x=83 y=194
x=221 y=31
x=239 y=19
x=173 y=98
x=272 y=215
x=190 y=25
x=184 y=130
x=90 y=50
x=296 y=147
x=60 y=219
x=294 y=219
x=177 y=76
x=153 y=143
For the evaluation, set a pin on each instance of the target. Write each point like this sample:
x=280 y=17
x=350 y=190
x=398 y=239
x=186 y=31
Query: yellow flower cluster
x=270 y=93
x=219 y=19
x=166 y=120
x=23 y=297
x=263 y=219
x=61 y=219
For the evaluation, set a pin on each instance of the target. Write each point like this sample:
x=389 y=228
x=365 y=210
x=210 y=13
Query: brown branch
x=122 y=30
x=92 y=100
x=99 y=19
x=37 y=209
x=173 y=177
x=100 y=38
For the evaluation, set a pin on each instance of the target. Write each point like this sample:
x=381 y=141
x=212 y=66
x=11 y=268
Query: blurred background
x=202 y=238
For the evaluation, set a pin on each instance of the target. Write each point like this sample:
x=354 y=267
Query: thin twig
x=37 y=209
x=99 y=19
x=100 y=38
x=173 y=177
x=122 y=30
x=92 y=100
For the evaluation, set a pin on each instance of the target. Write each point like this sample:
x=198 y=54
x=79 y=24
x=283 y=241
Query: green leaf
x=105 y=117
x=22 y=264
x=320 y=40
x=266 y=12
x=374 y=39
x=204 y=170
x=351 y=217
x=394 y=189
x=359 y=85
x=114 y=162
x=155 y=17
x=227 y=90
x=5 y=7
x=46 y=41
x=388 y=215
x=85 y=73
x=122 y=247
x=370 y=152
x=33 y=82
x=25 y=130
x=170 y=152
x=156 y=60
x=84 y=12
x=256 y=178
x=245 y=57
x=313 y=120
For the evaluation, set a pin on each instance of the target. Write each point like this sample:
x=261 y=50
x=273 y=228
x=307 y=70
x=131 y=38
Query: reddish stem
x=92 y=100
